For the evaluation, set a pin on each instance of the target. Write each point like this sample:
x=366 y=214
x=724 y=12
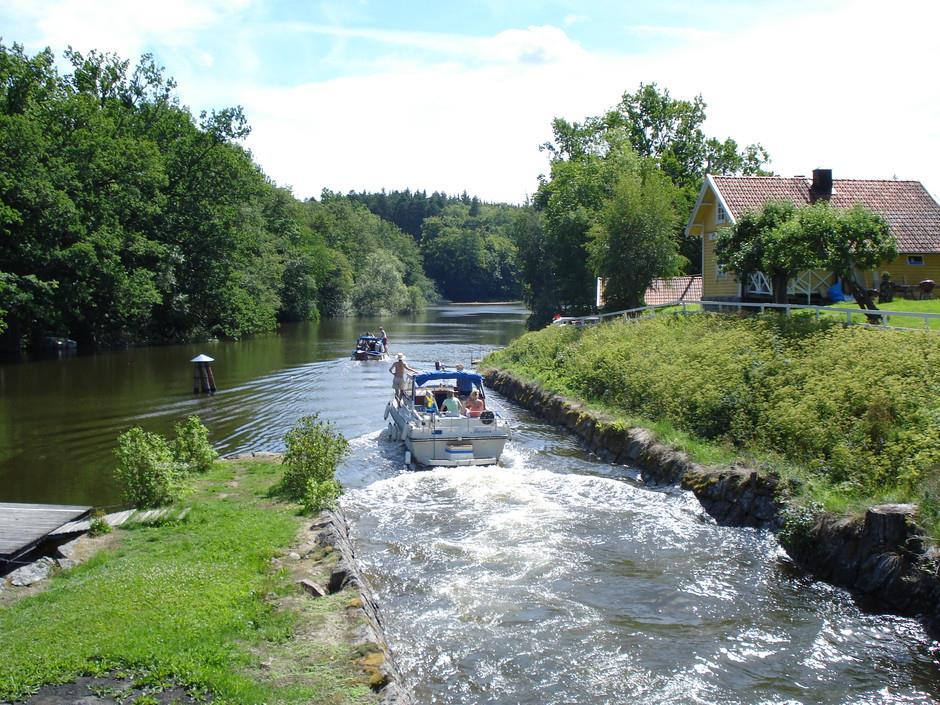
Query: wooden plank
x=77 y=527
x=24 y=525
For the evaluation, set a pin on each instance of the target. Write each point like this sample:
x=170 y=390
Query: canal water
x=551 y=578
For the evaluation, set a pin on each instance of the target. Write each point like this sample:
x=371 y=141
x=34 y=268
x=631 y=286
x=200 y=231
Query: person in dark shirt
x=464 y=385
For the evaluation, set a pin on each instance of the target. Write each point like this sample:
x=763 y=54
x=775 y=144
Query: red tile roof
x=912 y=214
x=662 y=291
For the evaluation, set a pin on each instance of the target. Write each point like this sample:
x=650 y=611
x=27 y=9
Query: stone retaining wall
x=882 y=556
x=334 y=531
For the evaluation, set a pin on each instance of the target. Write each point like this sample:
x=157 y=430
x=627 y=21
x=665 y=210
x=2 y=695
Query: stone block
x=312 y=588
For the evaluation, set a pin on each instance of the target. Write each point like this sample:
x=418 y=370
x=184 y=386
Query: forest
x=127 y=220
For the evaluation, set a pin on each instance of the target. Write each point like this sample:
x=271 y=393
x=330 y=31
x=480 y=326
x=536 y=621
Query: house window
x=916 y=260
x=719 y=272
x=721 y=216
x=712 y=236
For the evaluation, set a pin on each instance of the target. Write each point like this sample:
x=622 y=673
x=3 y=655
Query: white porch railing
x=850 y=316
x=803 y=284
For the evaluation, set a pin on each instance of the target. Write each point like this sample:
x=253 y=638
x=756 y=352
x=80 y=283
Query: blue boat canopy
x=369 y=338
x=472 y=377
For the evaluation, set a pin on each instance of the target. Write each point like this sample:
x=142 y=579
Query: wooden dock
x=22 y=526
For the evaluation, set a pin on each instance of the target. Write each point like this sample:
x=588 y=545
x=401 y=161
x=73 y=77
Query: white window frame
x=721 y=216
x=912 y=260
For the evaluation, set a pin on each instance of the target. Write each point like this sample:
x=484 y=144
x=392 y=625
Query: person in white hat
x=398 y=369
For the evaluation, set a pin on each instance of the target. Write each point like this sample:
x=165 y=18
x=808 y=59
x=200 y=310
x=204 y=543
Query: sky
x=457 y=96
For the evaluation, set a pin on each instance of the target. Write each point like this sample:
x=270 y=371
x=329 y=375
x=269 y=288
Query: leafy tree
x=860 y=240
x=124 y=218
x=471 y=257
x=670 y=130
x=632 y=243
x=538 y=292
x=379 y=288
x=571 y=201
x=781 y=241
x=588 y=161
x=766 y=241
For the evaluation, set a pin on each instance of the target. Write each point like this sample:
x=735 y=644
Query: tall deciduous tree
x=632 y=243
x=671 y=131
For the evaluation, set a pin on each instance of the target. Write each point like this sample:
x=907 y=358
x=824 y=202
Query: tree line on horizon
x=125 y=219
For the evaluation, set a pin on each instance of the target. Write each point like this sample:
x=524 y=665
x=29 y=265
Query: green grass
x=904 y=306
x=187 y=603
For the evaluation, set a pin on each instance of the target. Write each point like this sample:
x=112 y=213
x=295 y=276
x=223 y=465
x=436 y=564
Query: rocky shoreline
x=332 y=530
x=882 y=557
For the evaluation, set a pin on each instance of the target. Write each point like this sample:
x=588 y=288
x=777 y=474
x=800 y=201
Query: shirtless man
x=475 y=406
x=398 y=369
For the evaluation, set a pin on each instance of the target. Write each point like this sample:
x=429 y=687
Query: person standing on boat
x=384 y=336
x=398 y=369
x=464 y=385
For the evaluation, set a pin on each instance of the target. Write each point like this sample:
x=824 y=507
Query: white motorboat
x=432 y=438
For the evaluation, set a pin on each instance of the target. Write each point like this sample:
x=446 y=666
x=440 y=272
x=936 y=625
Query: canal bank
x=882 y=557
x=237 y=600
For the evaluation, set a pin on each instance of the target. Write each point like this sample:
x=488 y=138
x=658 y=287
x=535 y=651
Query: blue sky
x=458 y=96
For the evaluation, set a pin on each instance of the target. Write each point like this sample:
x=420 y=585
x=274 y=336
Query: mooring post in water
x=203 y=379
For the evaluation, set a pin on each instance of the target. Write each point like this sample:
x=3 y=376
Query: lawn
x=209 y=604
x=902 y=306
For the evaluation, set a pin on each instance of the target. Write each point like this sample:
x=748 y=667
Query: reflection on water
x=59 y=419
x=551 y=578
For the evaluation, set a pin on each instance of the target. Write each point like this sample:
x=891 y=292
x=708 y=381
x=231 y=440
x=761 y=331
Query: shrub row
x=858 y=408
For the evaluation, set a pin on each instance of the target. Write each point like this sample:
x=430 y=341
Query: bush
x=191 y=449
x=98 y=526
x=321 y=495
x=146 y=469
x=314 y=449
x=854 y=407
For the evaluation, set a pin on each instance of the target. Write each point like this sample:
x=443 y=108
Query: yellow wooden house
x=912 y=215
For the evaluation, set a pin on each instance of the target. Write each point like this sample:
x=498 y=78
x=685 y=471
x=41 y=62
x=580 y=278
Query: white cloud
x=671 y=32
x=844 y=89
x=848 y=87
x=122 y=26
x=439 y=127
x=532 y=45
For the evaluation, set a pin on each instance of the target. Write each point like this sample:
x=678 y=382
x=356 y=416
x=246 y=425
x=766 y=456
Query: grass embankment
x=851 y=414
x=198 y=603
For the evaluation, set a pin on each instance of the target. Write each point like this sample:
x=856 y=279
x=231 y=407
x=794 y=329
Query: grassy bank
x=204 y=604
x=851 y=414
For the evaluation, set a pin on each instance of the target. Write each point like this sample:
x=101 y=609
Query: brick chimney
x=822 y=185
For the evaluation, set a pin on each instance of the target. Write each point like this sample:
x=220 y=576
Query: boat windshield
x=460 y=378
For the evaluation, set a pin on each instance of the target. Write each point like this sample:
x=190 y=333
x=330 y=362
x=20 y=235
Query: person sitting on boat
x=475 y=405
x=430 y=403
x=398 y=369
x=451 y=407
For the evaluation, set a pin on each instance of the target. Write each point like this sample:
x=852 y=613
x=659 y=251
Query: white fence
x=851 y=316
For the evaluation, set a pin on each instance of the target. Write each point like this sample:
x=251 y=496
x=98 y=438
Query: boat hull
x=366 y=355
x=434 y=440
